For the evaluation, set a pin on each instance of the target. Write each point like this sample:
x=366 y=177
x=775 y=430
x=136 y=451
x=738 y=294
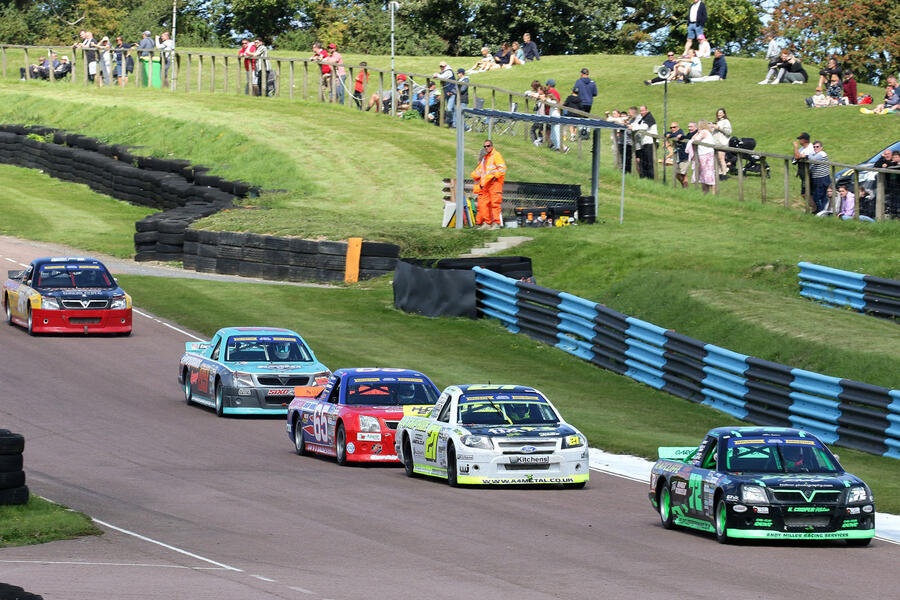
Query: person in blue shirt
x=587 y=90
x=669 y=63
x=719 y=68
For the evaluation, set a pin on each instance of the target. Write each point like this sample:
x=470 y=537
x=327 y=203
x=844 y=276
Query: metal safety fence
x=863 y=293
x=840 y=411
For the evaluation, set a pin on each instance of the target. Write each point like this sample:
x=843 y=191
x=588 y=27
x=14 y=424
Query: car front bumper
x=81 y=321
x=254 y=401
x=483 y=467
x=813 y=522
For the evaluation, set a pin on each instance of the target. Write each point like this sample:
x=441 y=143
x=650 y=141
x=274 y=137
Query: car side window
x=215 y=352
x=26 y=279
x=710 y=455
x=445 y=412
x=335 y=394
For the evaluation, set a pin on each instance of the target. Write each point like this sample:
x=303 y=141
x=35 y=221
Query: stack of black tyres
x=12 y=478
x=15 y=592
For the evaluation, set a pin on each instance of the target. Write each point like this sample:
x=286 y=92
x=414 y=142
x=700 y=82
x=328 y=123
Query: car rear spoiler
x=679 y=453
x=195 y=346
x=18 y=274
x=308 y=391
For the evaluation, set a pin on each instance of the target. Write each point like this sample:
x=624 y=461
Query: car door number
x=695 y=489
x=431 y=444
x=320 y=423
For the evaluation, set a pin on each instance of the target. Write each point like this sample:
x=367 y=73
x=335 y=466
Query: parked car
x=761 y=483
x=250 y=371
x=493 y=435
x=866 y=178
x=356 y=414
x=66 y=295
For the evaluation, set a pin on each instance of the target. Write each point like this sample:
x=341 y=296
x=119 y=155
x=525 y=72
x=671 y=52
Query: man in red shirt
x=552 y=91
x=850 y=86
x=248 y=48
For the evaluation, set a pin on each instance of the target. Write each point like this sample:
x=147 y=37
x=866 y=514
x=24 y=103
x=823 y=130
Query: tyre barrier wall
x=862 y=293
x=840 y=411
x=12 y=478
x=182 y=191
x=281 y=258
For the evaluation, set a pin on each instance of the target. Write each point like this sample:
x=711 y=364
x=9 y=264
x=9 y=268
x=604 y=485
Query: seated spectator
x=849 y=84
x=485 y=63
x=529 y=48
x=504 y=56
x=40 y=70
x=518 y=55
x=703 y=49
x=847 y=203
x=669 y=63
x=890 y=104
x=789 y=69
x=832 y=96
x=830 y=69
x=383 y=101
x=688 y=66
x=64 y=68
x=719 y=68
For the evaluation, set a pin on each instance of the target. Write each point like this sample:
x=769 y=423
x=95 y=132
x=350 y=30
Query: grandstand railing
x=863 y=293
x=840 y=411
x=299 y=78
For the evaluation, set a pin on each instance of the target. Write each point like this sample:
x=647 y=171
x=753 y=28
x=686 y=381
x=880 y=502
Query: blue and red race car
x=66 y=295
x=354 y=418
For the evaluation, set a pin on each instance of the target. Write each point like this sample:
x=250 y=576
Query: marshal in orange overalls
x=488 y=177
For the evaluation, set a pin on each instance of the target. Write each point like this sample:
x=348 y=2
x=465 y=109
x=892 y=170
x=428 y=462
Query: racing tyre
x=860 y=543
x=8 y=310
x=408 y=458
x=188 y=394
x=30 y=323
x=299 y=442
x=10 y=462
x=665 y=507
x=220 y=400
x=721 y=522
x=13 y=479
x=12 y=443
x=17 y=495
x=451 y=466
x=340 y=445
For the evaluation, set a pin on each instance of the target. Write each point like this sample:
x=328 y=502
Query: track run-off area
x=193 y=506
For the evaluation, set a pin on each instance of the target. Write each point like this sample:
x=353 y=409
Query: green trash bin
x=145 y=71
x=156 y=72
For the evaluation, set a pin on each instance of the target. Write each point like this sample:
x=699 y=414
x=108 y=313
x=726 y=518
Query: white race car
x=493 y=435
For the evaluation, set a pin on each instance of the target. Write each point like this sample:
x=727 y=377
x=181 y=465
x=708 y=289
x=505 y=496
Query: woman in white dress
x=704 y=167
x=721 y=135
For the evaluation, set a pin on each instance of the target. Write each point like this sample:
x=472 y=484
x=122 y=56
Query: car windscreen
x=74 y=276
x=778 y=455
x=266 y=348
x=504 y=408
x=393 y=391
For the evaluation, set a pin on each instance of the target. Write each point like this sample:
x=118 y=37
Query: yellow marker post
x=351 y=270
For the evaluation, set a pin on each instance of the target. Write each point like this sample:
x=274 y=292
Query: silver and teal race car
x=761 y=483
x=493 y=435
x=250 y=371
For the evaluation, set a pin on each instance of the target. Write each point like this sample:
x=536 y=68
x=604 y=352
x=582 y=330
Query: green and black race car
x=762 y=482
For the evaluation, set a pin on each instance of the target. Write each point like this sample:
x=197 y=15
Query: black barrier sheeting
x=514 y=267
x=434 y=292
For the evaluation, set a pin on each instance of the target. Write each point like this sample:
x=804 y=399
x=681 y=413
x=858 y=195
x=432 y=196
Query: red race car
x=66 y=295
x=355 y=416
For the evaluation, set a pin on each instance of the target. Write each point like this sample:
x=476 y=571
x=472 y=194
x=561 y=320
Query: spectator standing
x=488 y=177
x=572 y=102
x=553 y=101
x=849 y=84
x=462 y=83
x=529 y=48
x=261 y=85
x=679 y=140
x=335 y=59
x=802 y=151
x=359 y=85
x=105 y=62
x=448 y=90
x=248 y=49
x=144 y=46
x=642 y=124
x=587 y=90
x=319 y=55
x=721 y=130
x=167 y=46
x=704 y=168
x=820 y=177
x=696 y=21
x=124 y=61
x=90 y=55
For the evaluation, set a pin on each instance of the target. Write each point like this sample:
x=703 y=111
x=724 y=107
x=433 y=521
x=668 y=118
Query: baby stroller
x=751 y=162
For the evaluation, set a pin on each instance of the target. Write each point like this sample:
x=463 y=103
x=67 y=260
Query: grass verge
x=39 y=521
x=354 y=327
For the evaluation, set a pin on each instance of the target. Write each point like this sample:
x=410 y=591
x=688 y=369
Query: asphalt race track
x=197 y=507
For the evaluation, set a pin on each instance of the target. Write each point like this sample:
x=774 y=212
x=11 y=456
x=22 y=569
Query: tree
x=864 y=35
x=265 y=18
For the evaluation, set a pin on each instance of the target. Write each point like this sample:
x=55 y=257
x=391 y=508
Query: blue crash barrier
x=840 y=411
x=862 y=293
